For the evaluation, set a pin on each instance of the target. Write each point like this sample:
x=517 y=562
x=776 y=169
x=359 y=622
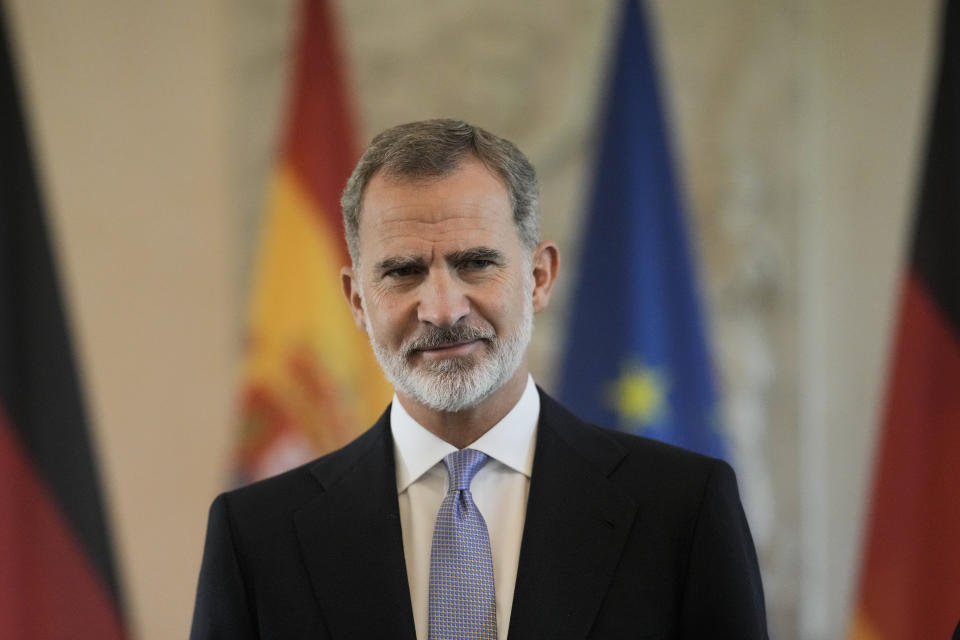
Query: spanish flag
x=910 y=578
x=311 y=383
x=57 y=575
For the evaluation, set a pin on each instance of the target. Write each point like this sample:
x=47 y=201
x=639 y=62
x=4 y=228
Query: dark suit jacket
x=624 y=538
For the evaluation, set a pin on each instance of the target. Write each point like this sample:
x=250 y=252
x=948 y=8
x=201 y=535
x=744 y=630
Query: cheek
x=388 y=316
x=505 y=309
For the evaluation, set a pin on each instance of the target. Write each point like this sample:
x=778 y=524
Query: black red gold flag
x=910 y=578
x=57 y=576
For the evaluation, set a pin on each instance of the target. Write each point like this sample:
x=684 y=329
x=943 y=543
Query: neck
x=463 y=428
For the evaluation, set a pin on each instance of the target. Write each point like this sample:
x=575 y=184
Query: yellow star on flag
x=639 y=395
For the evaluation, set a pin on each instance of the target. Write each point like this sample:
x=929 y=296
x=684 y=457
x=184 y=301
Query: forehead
x=468 y=207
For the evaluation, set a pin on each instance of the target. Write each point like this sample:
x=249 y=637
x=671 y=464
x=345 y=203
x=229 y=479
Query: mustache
x=439 y=337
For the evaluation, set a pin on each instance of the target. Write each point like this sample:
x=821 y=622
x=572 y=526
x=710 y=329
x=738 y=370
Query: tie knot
x=462 y=466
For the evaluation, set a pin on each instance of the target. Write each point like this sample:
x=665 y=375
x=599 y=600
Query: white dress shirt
x=500 y=491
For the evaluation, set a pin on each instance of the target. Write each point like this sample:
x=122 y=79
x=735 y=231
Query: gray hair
x=437 y=148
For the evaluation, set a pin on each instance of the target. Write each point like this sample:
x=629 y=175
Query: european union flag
x=637 y=358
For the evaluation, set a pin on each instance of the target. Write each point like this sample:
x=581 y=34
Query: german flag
x=311 y=383
x=57 y=578
x=910 y=577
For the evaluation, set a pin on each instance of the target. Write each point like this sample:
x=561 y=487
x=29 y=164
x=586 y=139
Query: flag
x=310 y=382
x=910 y=574
x=57 y=576
x=637 y=358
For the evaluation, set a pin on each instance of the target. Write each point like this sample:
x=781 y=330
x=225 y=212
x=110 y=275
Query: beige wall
x=796 y=126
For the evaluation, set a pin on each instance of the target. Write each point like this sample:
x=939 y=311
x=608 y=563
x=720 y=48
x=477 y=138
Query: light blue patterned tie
x=462 y=602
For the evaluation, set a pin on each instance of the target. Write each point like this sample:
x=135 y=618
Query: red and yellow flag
x=311 y=383
x=910 y=578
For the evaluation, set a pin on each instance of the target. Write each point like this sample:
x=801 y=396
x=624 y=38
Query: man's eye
x=401 y=272
x=477 y=265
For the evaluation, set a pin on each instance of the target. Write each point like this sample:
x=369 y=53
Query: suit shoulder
x=618 y=448
x=646 y=469
x=273 y=493
x=288 y=491
x=665 y=457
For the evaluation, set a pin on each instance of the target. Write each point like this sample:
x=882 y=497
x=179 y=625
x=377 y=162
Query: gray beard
x=461 y=382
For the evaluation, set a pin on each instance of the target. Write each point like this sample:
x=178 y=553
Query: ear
x=545 y=264
x=351 y=290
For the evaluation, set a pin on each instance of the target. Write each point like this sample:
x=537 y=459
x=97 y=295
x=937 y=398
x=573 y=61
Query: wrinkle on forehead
x=468 y=207
x=440 y=208
x=456 y=222
x=412 y=220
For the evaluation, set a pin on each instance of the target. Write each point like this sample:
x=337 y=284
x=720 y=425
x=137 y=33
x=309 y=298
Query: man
x=476 y=507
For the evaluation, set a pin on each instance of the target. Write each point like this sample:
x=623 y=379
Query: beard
x=459 y=382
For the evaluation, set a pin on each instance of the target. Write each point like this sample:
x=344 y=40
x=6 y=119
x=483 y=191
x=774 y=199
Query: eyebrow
x=475 y=253
x=455 y=257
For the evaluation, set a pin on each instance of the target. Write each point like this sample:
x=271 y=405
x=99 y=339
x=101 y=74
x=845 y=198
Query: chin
x=460 y=385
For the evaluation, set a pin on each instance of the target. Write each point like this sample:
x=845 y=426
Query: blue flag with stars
x=637 y=358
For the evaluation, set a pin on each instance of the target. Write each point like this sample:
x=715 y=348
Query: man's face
x=444 y=288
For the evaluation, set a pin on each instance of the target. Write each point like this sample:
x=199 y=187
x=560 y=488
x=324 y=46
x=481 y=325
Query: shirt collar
x=510 y=441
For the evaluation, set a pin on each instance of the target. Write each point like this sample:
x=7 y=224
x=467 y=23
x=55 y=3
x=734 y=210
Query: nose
x=443 y=302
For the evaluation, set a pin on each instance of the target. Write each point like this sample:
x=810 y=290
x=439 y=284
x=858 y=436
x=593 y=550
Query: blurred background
x=797 y=130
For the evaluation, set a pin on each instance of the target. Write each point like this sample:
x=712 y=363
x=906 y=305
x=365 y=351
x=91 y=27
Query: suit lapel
x=352 y=544
x=576 y=525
